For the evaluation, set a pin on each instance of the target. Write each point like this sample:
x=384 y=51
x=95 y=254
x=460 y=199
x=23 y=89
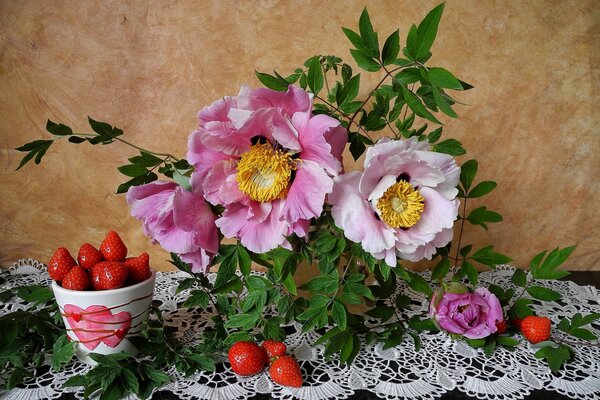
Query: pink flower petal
x=307 y=193
x=192 y=214
x=218 y=110
x=220 y=186
x=200 y=260
x=355 y=216
x=313 y=134
x=292 y=101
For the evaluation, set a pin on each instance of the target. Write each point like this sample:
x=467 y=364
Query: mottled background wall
x=147 y=67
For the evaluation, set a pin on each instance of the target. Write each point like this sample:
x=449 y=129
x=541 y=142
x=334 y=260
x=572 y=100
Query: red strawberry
x=274 y=349
x=108 y=275
x=113 y=248
x=246 y=358
x=139 y=268
x=76 y=279
x=286 y=372
x=536 y=329
x=88 y=256
x=60 y=264
x=501 y=327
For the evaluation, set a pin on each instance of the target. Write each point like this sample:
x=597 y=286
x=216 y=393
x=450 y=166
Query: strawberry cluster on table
x=247 y=358
x=103 y=269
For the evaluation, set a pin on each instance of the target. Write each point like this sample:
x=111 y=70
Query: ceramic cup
x=101 y=321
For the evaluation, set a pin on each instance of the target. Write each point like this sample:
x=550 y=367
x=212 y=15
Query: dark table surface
x=580 y=277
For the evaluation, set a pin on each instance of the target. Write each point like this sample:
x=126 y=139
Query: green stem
x=462 y=227
x=168 y=155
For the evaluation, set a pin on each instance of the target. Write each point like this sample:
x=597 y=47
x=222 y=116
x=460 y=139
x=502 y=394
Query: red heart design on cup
x=97 y=324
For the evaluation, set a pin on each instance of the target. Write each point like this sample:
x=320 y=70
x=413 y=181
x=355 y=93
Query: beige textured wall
x=147 y=67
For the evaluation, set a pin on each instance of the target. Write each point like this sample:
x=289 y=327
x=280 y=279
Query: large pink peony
x=179 y=220
x=403 y=203
x=268 y=161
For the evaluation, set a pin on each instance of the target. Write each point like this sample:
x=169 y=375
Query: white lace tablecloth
x=397 y=373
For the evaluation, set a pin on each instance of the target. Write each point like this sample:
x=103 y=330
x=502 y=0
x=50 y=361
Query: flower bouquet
x=263 y=183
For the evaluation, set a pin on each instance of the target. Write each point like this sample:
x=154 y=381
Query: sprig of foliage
x=140 y=168
x=31 y=335
x=117 y=375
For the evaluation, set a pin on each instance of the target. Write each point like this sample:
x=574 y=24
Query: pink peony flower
x=473 y=315
x=403 y=203
x=268 y=161
x=180 y=221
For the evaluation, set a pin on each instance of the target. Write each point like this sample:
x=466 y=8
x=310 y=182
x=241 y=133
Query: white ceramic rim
x=84 y=293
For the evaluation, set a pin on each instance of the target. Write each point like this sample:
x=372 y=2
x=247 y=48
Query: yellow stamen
x=264 y=173
x=401 y=205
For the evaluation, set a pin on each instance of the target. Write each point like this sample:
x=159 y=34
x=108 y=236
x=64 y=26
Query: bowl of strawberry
x=104 y=297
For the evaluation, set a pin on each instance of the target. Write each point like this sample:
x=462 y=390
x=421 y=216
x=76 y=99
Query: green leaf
x=435 y=135
x=272 y=82
x=519 y=278
x=582 y=333
x=469 y=270
x=442 y=103
x=542 y=293
x=507 y=341
x=588 y=319
x=104 y=130
x=350 y=90
x=489 y=347
x=391 y=48
x=359 y=43
x=417 y=107
x=383 y=313
x=315 y=75
x=359 y=289
x=365 y=62
x=75 y=381
x=521 y=308
x=467 y=173
x=547 y=269
x=322 y=283
x=35 y=294
x=481 y=215
x=419 y=284
x=130 y=381
x=422 y=325
x=402 y=301
x=441 y=269
x=243 y=321
x=368 y=35
x=489 y=257
x=338 y=313
x=62 y=352
x=555 y=357
x=443 y=79
x=290 y=284
x=132 y=170
x=450 y=146
x=36 y=148
x=465 y=250
x=237 y=337
x=427 y=30
x=197 y=298
x=411 y=43
x=357 y=144
x=482 y=189
x=273 y=330
x=58 y=129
